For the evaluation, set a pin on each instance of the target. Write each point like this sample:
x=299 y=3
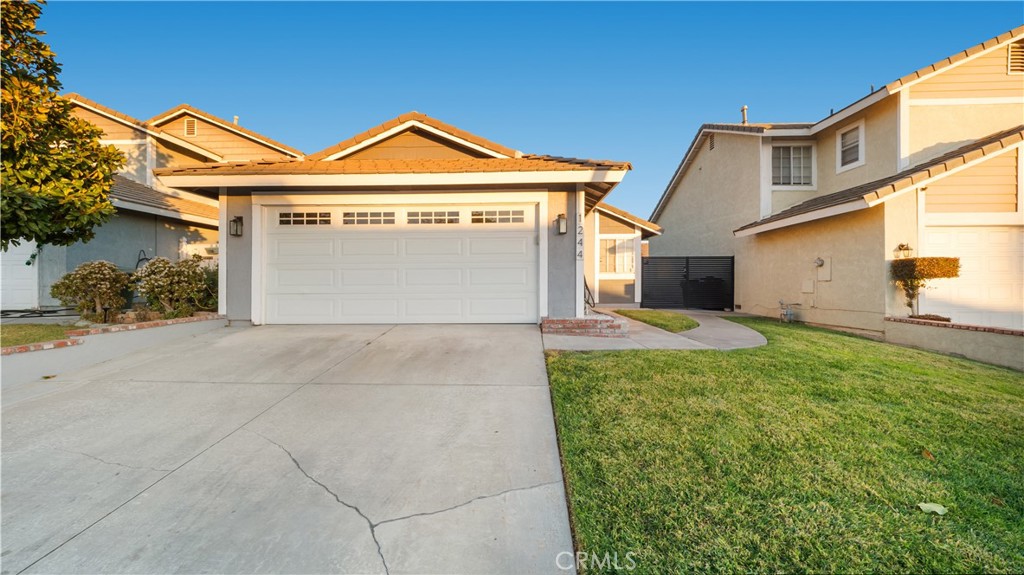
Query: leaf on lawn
x=932 y=508
x=927 y=455
x=998 y=502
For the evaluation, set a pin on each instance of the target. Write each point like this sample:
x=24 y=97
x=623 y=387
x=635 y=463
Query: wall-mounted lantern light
x=903 y=251
x=819 y=263
x=563 y=225
x=235 y=226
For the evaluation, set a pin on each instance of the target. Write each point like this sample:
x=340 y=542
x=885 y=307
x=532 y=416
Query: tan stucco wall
x=718 y=193
x=900 y=228
x=935 y=130
x=880 y=132
x=170 y=156
x=996 y=348
x=776 y=265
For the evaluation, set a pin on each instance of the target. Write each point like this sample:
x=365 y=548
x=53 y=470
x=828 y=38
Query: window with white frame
x=618 y=256
x=793 y=165
x=850 y=147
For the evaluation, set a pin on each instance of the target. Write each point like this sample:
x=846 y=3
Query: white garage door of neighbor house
x=407 y=264
x=990 y=289
x=20 y=282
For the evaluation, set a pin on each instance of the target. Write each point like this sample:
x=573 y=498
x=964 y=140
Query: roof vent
x=711 y=142
x=744 y=111
x=191 y=128
x=1015 y=64
x=236 y=120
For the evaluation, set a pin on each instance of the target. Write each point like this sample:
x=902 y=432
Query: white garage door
x=990 y=289
x=20 y=282
x=408 y=264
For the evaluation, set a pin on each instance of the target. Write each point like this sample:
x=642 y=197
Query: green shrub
x=207 y=298
x=92 y=287
x=171 y=288
x=911 y=274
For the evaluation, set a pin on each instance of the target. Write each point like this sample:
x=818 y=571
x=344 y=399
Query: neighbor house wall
x=120 y=242
x=226 y=143
x=880 y=148
x=719 y=192
x=901 y=227
x=847 y=291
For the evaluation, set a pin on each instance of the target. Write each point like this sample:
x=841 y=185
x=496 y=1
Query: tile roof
x=652 y=227
x=154 y=121
x=879 y=189
x=758 y=128
x=530 y=163
x=946 y=62
x=412 y=116
x=135 y=192
x=73 y=97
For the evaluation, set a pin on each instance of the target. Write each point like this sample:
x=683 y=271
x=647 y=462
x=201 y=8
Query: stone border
x=963 y=326
x=75 y=333
x=39 y=346
x=139 y=325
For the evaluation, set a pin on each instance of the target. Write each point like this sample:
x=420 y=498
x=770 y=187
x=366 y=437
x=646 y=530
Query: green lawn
x=806 y=455
x=666 y=320
x=20 y=334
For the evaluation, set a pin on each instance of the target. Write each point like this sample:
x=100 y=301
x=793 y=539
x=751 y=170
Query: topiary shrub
x=92 y=287
x=912 y=274
x=171 y=288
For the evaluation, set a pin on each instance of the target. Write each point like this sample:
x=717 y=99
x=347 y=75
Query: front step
x=595 y=325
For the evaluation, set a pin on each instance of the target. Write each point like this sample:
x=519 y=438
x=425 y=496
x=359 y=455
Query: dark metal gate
x=704 y=282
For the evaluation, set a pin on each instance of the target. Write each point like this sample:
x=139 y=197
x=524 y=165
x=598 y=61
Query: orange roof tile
x=467 y=165
x=155 y=121
x=411 y=116
x=73 y=97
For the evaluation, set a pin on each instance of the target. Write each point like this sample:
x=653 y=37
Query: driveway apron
x=293 y=449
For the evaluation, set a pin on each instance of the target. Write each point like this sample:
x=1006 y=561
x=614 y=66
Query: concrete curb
x=39 y=346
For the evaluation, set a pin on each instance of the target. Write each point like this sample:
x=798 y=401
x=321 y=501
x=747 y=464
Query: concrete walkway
x=292 y=449
x=714 y=333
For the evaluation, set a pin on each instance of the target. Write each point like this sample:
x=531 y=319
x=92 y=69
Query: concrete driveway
x=292 y=449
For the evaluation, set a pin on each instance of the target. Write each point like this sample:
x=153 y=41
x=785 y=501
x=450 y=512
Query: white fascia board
x=190 y=196
x=631 y=222
x=850 y=110
x=226 y=126
x=858 y=204
x=433 y=179
x=187 y=145
x=123 y=204
x=405 y=126
x=788 y=132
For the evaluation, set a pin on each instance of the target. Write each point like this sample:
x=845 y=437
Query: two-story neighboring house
x=813 y=212
x=152 y=219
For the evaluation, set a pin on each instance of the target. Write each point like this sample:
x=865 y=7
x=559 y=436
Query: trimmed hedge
x=911 y=274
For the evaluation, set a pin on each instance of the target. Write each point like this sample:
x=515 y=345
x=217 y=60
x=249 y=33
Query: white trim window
x=850 y=147
x=793 y=166
x=618 y=257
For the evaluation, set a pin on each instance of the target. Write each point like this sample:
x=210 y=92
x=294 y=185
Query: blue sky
x=621 y=81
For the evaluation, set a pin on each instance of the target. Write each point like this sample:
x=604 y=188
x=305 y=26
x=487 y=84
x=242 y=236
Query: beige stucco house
x=812 y=212
x=412 y=221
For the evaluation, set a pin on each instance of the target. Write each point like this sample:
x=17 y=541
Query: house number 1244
x=579 y=242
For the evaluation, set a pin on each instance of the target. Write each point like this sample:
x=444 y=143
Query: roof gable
x=424 y=125
x=167 y=120
x=647 y=228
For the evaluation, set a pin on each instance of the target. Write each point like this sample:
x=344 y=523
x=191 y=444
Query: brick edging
x=139 y=325
x=963 y=326
x=39 y=346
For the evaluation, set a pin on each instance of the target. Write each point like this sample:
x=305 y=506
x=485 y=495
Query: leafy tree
x=55 y=174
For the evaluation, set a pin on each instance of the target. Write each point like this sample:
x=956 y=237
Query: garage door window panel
x=440 y=217
x=304 y=219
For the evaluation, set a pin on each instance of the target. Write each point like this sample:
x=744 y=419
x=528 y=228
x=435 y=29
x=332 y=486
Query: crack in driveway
x=373 y=525
x=370 y=524
x=126 y=466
